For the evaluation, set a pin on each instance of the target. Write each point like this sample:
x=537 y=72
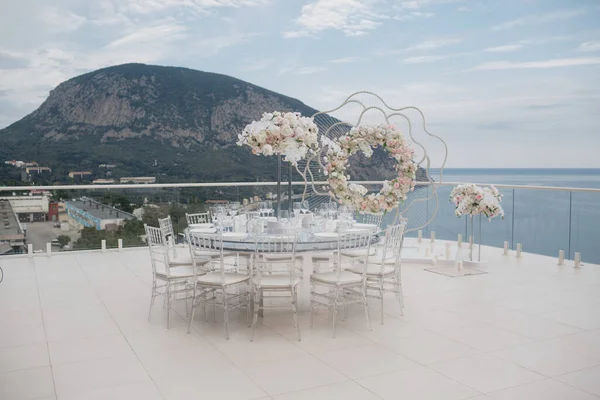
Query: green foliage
x=130 y=233
x=63 y=240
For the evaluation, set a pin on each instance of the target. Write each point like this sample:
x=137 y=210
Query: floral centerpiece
x=289 y=134
x=364 y=138
x=471 y=199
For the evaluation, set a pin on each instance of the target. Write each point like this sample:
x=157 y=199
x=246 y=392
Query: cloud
x=425 y=59
x=59 y=21
x=149 y=34
x=590 y=46
x=555 y=63
x=413 y=15
x=504 y=49
x=345 y=60
x=296 y=34
x=353 y=17
x=256 y=64
x=540 y=19
x=434 y=44
x=154 y=6
x=308 y=70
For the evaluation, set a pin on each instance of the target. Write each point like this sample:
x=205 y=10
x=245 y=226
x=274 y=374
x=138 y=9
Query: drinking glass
x=268 y=206
x=304 y=206
x=297 y=207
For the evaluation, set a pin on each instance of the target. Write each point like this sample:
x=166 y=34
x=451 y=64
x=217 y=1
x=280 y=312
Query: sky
x=506 y=83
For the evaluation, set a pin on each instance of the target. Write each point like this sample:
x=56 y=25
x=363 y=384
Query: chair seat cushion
x=214 y=278
x=212 y=254
x=358 y=252
x=346 y=277
x=373 y=269
x=275 y=281
x=278 y=257
x=180 y=272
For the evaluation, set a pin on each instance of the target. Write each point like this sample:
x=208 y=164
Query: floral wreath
x=365 y=138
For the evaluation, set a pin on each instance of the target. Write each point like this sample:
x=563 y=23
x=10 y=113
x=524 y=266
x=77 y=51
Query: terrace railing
x=543 y=219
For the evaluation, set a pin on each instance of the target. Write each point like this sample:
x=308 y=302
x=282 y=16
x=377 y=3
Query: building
x=79 y=174
x=103 y=181
x=32 y=208
x=38 y=170
x=107 y=166
x=139 y=179
x=52 y=211
x=12 y=234
x=89 y=213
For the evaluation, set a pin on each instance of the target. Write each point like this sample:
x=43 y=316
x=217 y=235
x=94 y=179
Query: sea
x=542 y=221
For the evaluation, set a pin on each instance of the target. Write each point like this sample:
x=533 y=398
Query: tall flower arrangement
x=471 y=199
x=289 y=134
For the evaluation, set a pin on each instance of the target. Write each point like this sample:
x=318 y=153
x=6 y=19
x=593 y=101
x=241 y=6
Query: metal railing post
x=570 y=219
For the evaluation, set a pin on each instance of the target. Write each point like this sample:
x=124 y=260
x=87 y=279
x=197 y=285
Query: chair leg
x=248 y=302
x=168 y=305
x=366 y=305
x=256 y=309
x=295 y=311
x=192 y=314
x=312 y=309
x=335 y=309
x=226 y=313
x=381 y=297
x=153 y=296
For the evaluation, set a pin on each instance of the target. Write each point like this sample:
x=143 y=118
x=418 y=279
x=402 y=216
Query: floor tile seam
x=581 y=353
x=512 y=363
x=121 y=332
x=32 y=263
x=309 y=388
x=541 y=378
x=24 y=369
x=543 y=374
x=530 y=341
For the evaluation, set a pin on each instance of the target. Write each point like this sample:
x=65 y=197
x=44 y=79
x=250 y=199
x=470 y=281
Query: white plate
x=204 y=225
x=203 y=230
x=357 y=230
x=234 y=235
x=326 y=235
x=365 y=226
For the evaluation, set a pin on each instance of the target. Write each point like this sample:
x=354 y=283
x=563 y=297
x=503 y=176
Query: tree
x=63 y=240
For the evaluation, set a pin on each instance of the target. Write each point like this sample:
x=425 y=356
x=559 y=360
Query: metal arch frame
x=387 y=115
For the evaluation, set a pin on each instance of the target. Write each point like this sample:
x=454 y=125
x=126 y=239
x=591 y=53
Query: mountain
x=174 y=123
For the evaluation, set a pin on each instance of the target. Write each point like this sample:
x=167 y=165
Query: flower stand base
x=455 y=272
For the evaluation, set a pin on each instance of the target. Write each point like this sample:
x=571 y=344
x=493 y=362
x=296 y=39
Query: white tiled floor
x=74 y=327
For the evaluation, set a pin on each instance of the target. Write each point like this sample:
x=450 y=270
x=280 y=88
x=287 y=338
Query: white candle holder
x=460 y=240
x=103 y=245
x=432 y=237
x=420 y=236
x=505 y=248
x=48 y=249
x=519 y=250
x=447 y=250
x=561 y=257
x=460 y=265
x=427 y=252
x=577 y=260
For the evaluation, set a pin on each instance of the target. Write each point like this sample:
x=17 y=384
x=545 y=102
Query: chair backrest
x=353 y=241
x=276 y=255
x=198 y=218
x=159 y=251
x=392 y=247
x=369 y=218
x=209 y=243
x=166 y=228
